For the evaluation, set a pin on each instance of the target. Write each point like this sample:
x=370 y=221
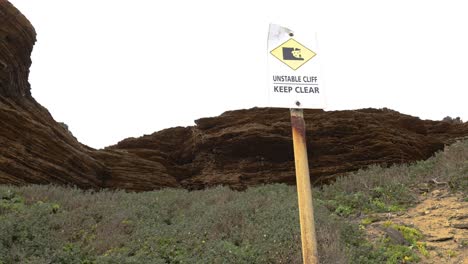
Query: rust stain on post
x=304 y=190
x=297 y=122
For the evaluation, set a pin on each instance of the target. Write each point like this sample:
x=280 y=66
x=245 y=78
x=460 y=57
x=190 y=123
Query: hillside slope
x=403 y=214
x=238 y=148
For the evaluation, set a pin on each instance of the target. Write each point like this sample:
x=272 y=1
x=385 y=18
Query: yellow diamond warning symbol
x=293 y=54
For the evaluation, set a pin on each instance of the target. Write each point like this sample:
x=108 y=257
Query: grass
x=52 y=224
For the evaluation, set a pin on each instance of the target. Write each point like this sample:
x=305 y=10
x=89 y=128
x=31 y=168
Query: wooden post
x=304 y=190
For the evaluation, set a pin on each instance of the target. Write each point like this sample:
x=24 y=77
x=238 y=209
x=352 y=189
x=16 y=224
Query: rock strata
x=35 y=148
x=254 y=146
x=238 y=148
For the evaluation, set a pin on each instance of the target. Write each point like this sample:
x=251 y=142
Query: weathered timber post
x=304 y=189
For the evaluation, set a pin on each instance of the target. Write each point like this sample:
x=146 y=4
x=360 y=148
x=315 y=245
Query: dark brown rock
x=250 y=147
x=36 y=149
x=238 y=148
x=17 y=37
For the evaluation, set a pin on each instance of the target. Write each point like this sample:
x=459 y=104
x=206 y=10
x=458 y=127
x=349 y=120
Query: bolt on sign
x=293 y=70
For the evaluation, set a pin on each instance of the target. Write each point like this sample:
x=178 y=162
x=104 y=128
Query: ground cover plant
x=52 y=224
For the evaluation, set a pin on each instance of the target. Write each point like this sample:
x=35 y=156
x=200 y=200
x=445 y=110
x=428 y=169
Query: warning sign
x=293 y=54
x=293 y=69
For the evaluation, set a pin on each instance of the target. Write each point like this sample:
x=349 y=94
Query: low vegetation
x=51 y=224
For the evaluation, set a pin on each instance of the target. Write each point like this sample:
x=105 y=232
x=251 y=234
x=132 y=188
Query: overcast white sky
x=112 y=69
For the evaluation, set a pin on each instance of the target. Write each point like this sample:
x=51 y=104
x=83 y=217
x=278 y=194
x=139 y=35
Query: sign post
x=304 y=189
x=294 y=84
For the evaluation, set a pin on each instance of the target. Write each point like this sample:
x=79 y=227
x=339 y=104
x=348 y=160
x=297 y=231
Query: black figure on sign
x=292 y=54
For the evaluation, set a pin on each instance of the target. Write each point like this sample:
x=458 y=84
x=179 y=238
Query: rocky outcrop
x=30 y=139
x=36 y=149
x=17 y=38
x=238 y=148
x=250 y=147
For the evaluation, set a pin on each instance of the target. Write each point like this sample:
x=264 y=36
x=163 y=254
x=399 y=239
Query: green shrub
x=66 y=225
x=50 y=224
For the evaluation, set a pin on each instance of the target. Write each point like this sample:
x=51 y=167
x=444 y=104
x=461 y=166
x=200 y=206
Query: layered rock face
x=17 y=37
x=36 y=149
x=250 y=147
x=239 y=148
x=30 y=139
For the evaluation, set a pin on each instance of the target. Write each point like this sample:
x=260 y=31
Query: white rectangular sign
x=293 y=70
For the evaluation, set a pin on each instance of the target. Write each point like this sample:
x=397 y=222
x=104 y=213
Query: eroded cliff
x=238 y=148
